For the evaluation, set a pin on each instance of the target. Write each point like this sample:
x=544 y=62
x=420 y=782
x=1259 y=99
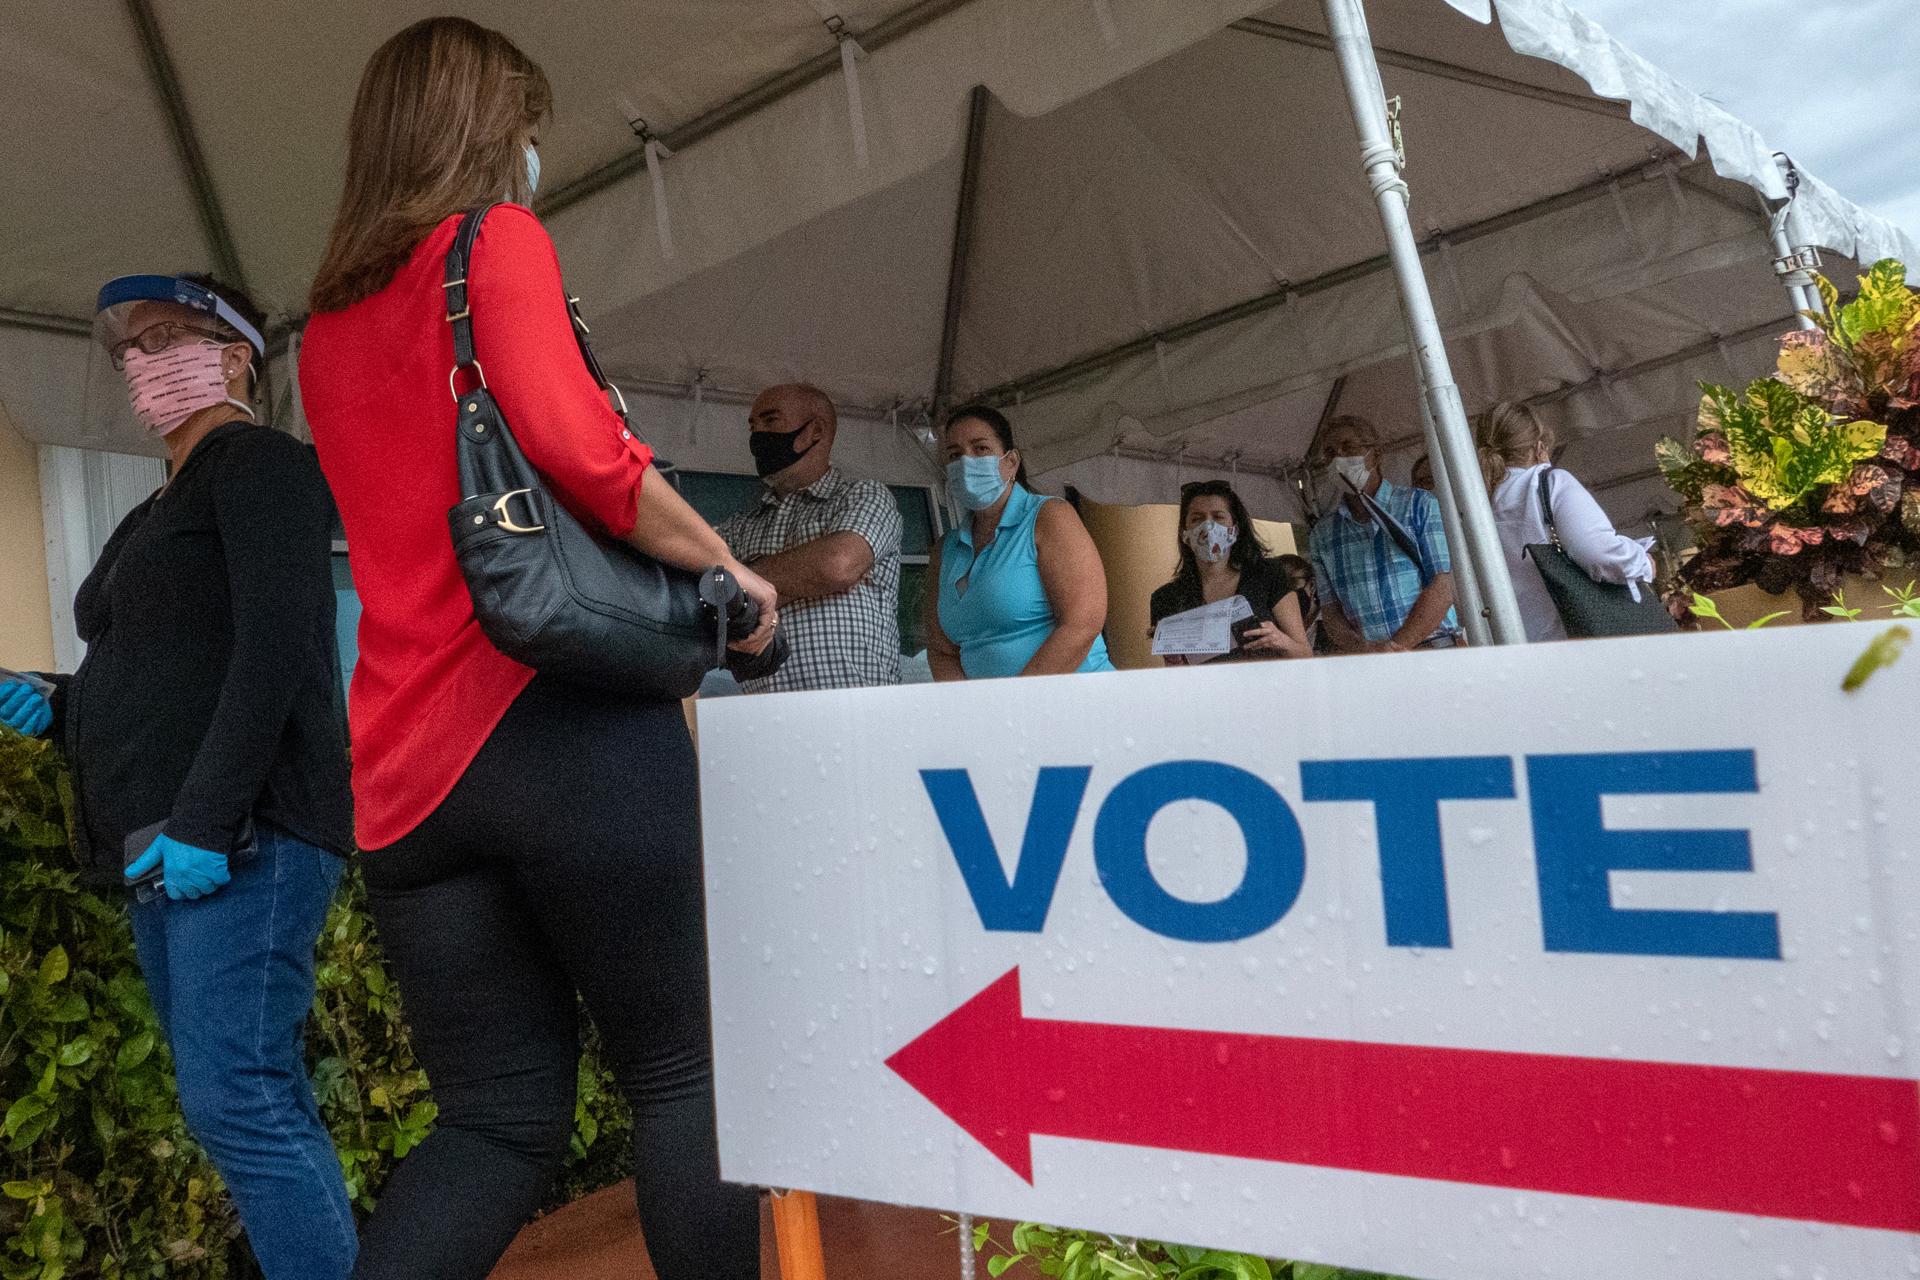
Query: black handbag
x=556 y=595
x=1586 y=607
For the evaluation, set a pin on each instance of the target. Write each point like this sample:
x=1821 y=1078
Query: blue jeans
x=231 y=976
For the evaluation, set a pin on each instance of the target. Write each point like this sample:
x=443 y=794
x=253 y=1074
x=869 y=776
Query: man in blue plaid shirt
x=1374 y=596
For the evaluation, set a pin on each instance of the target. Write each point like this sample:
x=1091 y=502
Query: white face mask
x=1353 y=469
x=1210 y=540
x=1330 y=486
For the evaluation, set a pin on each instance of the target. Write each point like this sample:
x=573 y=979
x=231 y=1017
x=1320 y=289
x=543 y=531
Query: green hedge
x=98 y=1176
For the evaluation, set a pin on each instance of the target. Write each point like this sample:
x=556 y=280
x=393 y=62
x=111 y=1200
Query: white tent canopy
x=1169 y=248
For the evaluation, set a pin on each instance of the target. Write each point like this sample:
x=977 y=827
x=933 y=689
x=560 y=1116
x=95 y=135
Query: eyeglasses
x=156 y=338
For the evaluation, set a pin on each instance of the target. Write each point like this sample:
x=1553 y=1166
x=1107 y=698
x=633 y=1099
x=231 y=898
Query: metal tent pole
x=1471 y=533
x=962 y=251
x=1468 y=599
x=186 y=140
x=1792 y=262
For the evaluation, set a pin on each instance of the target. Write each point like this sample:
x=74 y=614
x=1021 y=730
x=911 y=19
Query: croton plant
x=1812 y=476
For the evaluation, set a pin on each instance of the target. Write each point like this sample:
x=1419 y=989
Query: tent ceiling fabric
x=1194 y=159
x=95 y=188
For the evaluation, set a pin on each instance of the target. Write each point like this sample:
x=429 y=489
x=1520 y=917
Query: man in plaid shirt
x=1374 y=596
x=828 y=542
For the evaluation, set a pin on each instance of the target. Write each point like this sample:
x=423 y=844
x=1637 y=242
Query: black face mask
x=773 y=451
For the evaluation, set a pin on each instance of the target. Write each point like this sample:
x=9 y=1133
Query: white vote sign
x=1571 y=962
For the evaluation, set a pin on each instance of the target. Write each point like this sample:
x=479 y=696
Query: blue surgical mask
x=533 y=168
x=974 y=484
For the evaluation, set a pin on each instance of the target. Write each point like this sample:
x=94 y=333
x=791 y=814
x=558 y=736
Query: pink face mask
x=171 y=386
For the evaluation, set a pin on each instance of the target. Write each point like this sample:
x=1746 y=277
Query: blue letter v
x=1019 y=906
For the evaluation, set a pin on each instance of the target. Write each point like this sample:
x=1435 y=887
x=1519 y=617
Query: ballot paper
x=1206 y=632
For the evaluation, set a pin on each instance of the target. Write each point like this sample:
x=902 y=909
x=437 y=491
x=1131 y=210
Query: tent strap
x=1472 y=533
x=770 y=90
x=1793 y=261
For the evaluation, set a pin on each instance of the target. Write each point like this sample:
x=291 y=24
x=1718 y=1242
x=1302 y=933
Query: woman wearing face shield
x=208 y=755
x=1021 y=591
x=1221 y=556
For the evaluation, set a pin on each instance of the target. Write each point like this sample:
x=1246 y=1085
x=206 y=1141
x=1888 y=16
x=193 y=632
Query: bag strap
x=455 y=283
x=1546 y=507
x=1397 y=532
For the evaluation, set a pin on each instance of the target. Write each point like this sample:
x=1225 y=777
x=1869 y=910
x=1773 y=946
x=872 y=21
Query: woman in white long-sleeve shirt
x=1515 y=447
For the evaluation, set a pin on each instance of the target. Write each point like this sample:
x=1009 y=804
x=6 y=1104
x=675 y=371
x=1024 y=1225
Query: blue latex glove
x=24 y=710
x=186 y=871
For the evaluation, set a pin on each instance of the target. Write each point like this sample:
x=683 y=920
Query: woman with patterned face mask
x=209 y=764
x=1020 y=588
x=1221 y=556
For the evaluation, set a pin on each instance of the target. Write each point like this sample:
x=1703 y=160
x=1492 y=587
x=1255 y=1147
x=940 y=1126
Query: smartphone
x=153 y=884
x=42 y=687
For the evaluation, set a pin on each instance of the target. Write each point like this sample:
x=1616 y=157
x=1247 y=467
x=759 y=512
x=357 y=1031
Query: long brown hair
x=437 y=127
x=1508 y=435
x=1248 y=550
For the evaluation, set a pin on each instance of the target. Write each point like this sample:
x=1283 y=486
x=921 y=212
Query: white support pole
x=1470 y=532
x=1799 y=286
x=1468 y=600
x=1787 y=250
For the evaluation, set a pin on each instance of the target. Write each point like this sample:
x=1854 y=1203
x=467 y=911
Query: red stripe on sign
x=1779 y=1144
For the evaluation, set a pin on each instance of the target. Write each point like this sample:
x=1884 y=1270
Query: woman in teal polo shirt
x=1021 y=588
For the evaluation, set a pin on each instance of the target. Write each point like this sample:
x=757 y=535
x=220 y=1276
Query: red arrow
x=1780 y=1144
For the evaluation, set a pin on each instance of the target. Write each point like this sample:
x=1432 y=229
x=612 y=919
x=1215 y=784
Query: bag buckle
x=504 y=518
x=448 y=286
x=454 y=373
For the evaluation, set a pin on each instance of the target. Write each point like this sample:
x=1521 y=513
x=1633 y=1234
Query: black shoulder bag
x=556 y=595
x=1586 y=607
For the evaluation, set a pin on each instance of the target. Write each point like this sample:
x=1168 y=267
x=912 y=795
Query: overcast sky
x=1835 y=83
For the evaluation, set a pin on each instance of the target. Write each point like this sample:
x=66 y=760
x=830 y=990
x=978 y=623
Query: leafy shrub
x=98 y=1176
x=1094 y=1255
x=1812 y=475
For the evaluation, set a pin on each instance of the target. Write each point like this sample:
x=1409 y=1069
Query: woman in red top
x=524 y=840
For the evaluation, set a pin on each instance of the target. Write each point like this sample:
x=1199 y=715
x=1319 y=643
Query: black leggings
x=566 y=859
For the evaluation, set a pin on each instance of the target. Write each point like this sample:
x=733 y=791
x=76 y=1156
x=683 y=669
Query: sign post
x=1565 y=961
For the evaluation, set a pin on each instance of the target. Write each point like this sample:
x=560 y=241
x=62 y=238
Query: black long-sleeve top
x=208 y=694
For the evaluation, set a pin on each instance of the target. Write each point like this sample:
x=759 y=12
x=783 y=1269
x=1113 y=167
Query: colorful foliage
x=1813 y=475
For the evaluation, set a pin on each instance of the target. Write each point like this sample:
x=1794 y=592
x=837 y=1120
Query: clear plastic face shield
x=140 y=320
